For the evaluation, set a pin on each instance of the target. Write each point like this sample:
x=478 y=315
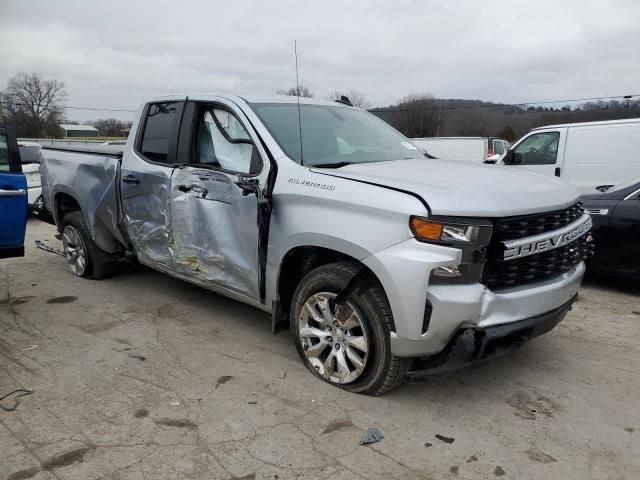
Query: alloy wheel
x=335 y=344
x=75 y=250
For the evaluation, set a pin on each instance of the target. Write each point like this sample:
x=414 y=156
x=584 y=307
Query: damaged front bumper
x=475 y=345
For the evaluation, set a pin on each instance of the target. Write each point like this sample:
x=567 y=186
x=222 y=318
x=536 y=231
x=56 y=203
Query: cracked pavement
x=146 y=377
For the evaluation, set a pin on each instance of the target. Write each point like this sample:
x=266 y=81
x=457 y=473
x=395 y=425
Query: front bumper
x=455 y=307
x=404 y=270
x=472 y=346
x=475 y=306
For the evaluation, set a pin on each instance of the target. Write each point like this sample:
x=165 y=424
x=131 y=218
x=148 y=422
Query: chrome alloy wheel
x=75 y=250
x=336 y=346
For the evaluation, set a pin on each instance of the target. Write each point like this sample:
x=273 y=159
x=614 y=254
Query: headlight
x=471 y=235
x=451 y=231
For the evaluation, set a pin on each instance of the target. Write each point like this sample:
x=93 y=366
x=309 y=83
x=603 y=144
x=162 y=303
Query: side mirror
x=508 y=157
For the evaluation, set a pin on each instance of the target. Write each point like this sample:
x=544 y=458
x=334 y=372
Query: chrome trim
x=631 y=195
x=597 y=211
x=12 y=193
x=523 y=247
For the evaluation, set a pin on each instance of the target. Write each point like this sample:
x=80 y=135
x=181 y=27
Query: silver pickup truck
x=384 y=263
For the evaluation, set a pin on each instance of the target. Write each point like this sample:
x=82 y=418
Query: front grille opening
x=499 y=274
x=521 y=226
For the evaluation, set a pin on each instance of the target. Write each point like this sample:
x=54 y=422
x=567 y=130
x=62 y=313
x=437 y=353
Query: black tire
x=99 y=265
x=383 y=371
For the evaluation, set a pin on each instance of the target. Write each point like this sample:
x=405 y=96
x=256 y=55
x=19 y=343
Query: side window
x=538 y=149
x=5 y=166
x=158 y=128
x=224 y=143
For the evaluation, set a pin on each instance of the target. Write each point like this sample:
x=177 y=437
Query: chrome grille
x=499 y=274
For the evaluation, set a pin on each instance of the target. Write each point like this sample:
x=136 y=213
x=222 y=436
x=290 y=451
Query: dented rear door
x=145 y=185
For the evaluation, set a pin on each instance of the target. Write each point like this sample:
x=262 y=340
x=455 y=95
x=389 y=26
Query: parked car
x=466 y=149
x=30 y=155
x=616 y=228
x=586 y=154
x=384 y=263
x=13 y=196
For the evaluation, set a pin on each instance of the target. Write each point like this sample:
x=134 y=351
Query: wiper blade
x=332 y=165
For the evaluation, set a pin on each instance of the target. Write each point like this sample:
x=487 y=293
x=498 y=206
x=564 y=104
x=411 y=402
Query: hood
x=466 y=189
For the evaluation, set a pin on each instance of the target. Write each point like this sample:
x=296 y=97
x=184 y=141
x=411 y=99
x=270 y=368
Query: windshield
x=623 y=185
x=333 y=135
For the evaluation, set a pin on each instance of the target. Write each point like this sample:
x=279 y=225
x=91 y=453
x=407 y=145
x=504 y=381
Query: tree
x=110 y=127
x=417 y=115
x=469 y=122
x=33 y=105
x=356 y=97
x=508 y=134
x=302 y=91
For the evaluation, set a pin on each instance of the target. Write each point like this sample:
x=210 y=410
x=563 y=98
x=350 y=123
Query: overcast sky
x=117 y=53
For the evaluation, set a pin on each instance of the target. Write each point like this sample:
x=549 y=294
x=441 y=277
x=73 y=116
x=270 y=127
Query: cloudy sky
x=117 y=53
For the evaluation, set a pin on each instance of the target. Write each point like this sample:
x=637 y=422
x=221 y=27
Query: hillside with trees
x=426 y=116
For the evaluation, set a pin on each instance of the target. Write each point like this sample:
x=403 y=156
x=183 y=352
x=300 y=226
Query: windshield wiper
x=332 y=165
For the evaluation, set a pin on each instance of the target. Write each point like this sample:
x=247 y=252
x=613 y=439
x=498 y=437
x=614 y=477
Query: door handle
x=557 y=172
x=12 y=193
x=130 y=179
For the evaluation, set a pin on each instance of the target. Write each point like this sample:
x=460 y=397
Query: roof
x=587 y=124
x=83 y=128
x=247 y=98
x=288 y=99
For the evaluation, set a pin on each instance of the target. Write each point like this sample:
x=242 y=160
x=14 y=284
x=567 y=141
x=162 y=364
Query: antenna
x=295 y=51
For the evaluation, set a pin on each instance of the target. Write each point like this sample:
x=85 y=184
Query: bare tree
x=111 y=127
x=33 y=105
x=302 y=91
x=356 y=97
x=417 y=115
x=468 y=122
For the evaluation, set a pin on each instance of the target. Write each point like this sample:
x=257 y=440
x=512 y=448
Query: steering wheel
x=533 y=150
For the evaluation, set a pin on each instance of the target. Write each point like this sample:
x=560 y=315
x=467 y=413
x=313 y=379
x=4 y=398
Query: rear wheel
x=349 y=347
x=84 y=258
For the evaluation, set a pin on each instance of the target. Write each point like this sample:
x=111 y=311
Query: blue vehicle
x=13 y=196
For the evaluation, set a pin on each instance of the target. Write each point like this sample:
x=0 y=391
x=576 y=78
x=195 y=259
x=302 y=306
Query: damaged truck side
x=385 y=264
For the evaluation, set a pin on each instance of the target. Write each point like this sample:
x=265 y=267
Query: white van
x=466 y=149
x=588 y=154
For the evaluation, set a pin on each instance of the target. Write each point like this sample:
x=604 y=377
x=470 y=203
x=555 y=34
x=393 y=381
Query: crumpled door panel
x=215 y=230
x=148 y=216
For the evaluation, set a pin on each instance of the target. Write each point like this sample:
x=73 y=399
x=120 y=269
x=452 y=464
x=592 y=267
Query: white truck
x=465 y=149
x=384 y=263
x=588 y=154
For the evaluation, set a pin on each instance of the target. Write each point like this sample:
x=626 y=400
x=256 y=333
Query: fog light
x=451 y=271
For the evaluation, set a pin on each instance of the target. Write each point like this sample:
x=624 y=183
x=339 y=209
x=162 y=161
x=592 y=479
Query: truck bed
x=90 y=178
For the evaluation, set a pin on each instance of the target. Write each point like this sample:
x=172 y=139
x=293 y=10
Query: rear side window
x=159 y=127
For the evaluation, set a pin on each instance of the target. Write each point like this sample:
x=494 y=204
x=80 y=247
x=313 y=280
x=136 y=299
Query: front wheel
x=350 y=346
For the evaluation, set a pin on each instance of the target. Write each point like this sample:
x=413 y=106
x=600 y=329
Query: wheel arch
x=295 y=264
x=65 y=202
